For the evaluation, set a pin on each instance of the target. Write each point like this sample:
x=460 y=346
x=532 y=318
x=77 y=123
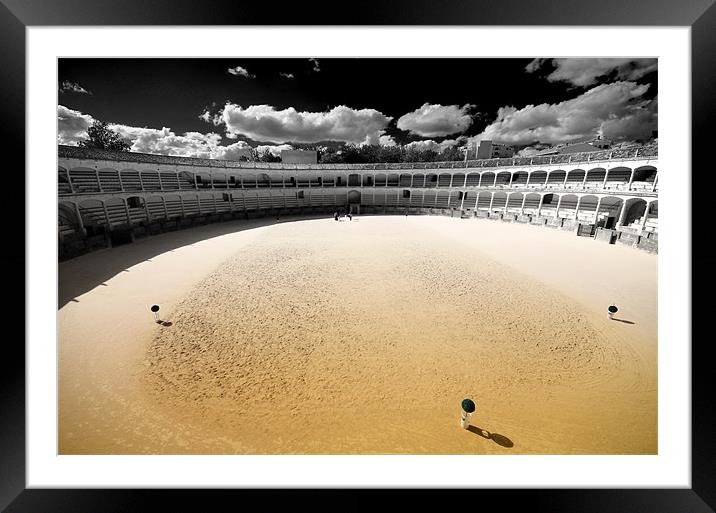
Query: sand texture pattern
x=363 y=337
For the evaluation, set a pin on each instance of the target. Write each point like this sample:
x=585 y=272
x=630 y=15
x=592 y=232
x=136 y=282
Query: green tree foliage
x=101 y=137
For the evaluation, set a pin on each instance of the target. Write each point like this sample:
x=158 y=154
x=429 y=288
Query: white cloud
x=265 y=123
x=72 y=128
x=286 y=75
x=436 y=120
x=73 y=87
x=616 y=110
x=584 y=72
x=275 y=150
x=316 y=65
x=72 y=125
x=387 y=140
x=240 y=72
x=435 y=146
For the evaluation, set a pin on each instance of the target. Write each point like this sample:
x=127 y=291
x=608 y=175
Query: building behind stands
x=299 y=157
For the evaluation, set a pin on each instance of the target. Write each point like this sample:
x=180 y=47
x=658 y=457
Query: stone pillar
x=161 y=185
x=539 y=209
x=494 y=184
x=631 y=179
x=69 y=181
x=622 y=213
x=181 y=201
x=596 y=213
x=586 y=172
x=166 y=212
x=559 y=202
x=564 y=184
x=656 y=179
x=646 y=216
x=492 y=198
x=126 y=211
x=576 y=210
x=606 y=175
x=477 y=198
x=462 y=200
x=99 y=184
x=522 y=208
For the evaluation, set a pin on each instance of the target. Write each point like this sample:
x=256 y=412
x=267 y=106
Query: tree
x=102 y=138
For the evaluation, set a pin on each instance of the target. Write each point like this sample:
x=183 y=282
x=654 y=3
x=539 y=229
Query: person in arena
x=611 y=311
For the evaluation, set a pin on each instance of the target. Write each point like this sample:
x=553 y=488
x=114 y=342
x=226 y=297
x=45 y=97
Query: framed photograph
x=420 y=251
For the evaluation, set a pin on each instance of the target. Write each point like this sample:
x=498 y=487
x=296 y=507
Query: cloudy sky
x=217 y=108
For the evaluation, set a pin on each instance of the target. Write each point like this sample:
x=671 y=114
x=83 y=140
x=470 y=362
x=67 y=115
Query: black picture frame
x=17 y=15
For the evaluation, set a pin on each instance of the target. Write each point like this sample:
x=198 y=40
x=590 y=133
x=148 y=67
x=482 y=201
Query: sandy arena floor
x=331 y=337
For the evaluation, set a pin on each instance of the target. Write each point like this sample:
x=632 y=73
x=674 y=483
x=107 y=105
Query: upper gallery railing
x=631 y=153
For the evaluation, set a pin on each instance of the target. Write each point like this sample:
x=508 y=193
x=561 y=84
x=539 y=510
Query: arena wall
x=108 y=198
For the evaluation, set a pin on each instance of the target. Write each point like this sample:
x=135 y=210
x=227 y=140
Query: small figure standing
x=335 y=216
x=468 y=407
x=350 y=216
x=155 y=311
x=611 y=311
x=406 y=213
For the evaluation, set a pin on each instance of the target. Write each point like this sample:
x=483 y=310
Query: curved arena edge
x=112 y=198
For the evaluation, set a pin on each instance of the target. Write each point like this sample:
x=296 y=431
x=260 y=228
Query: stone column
x=631 y=179
x=539 y=209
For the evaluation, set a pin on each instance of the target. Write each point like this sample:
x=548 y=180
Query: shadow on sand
x=76 y=277
x=623 y=320
x=495 y=437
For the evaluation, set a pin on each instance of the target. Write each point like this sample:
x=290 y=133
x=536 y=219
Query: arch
x=608 y=214
x=109 y=179
x=499 y=200
x=458 y=180
x=514 y=201
x=503 y=178
x=249 y=181
x=472 y=180
x=595 y=177
x=155 y=207
x=67 y=218
x=393 y=180
x=63 y=181
x=419 y=180
x=150 y=180
x=354 y=197
x=537 y=178
x=532 y=202
x=575 y=177
x=443 y=199
x=567 y=205
x=487 y=179
x=405 y=180
x=618 y=175
x=263 y=181
x=84 y=179
x=368 y=180
x=276 y=181
x=588 y=208
x=645 y=174
x=483 y=200
x=341 y=180
x=203 y=180
x=444 y=179
x=116 y=211
x=549 y=204
x=556 y=177
x=431 y=180
x=92 y=214
x=520 y=178
x=634 y=211
x=380 y=179
x=174 y=205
